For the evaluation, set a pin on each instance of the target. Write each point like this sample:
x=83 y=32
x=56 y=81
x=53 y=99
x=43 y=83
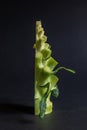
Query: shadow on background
x=16 y=108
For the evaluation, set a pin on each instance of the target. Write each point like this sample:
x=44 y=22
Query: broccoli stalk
x=45 y=78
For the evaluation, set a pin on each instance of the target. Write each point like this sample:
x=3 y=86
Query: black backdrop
x=65 y=24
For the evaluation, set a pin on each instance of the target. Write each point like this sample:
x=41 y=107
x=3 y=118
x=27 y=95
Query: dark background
x=65 y=24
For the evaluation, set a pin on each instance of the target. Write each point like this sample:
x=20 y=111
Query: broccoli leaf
x=42 y=107
x=55 y=92
x=43 y=100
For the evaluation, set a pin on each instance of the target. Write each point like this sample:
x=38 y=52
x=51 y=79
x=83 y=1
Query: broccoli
x=45 y=78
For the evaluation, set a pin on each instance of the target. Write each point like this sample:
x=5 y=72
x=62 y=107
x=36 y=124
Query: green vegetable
x=45 y=78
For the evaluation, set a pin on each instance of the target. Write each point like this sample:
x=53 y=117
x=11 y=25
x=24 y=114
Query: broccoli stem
x=45 y=78
x=42 y=54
